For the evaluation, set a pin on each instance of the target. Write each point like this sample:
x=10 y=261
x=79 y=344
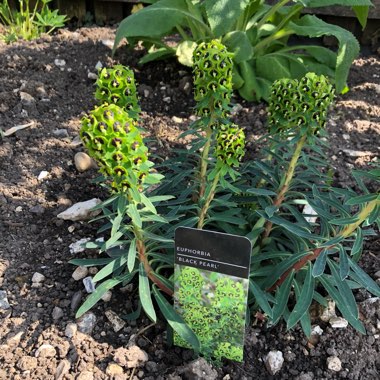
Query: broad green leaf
x=238 y=43
x=312 y=26
x=223 y=14
x=363 y=278
x=100 y=290
x=282 y=296
x=358 y=245
x=161 y=53
x=184 y=52
x=344 y=268
x=145 y=294
x=132 y=255
x=176 y=321
x=134 y=214
x=156 y=20
x=261 y=298
x=304 y=300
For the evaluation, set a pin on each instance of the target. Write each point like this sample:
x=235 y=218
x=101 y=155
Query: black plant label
x=211 y=289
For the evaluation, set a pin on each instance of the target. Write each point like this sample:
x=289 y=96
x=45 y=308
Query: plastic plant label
x=211 y=274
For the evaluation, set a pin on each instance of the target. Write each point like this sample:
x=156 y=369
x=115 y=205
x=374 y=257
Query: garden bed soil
x=35 y=87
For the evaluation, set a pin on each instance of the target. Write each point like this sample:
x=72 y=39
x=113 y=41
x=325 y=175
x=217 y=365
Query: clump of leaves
x=256 y=31
x=29 y=22
x=296 y=260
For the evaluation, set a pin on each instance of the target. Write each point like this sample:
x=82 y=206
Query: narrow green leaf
x=160 y=53
x=94 y=297
x=304 y=301
x=160 y=198
x=344 y=290
x=361 y=199
x=90 y=262
x=176 y=321
x=133 y=213
x=260 y=191
x=341 y=304
x=111 y=267
x=261 y=298
x=114 y=239
x=155 y=237
x=145 y=294
x=320 y=264
x=363 y=278
x=282 y=296
x=358 y=245
x=343 y=263
x=344 y=221
x=132 y=255
x=148 y=204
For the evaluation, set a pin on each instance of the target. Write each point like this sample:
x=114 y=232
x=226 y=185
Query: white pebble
x=334 y=363
x=60 y=62
x=42 y=175
x=89 y=284
x=98 y=65
x=338 y=323
x=274 y=361
x=78 y=246
x=38 y=277
x=79 y=273
x=107 y=296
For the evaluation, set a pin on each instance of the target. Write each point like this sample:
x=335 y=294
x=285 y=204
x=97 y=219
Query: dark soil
x=33 y=239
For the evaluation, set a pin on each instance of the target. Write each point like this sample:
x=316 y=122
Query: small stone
x=45 y=351
x=328 y=312
x=37 y=209
x=78 y=246
x=38 y=278
x=79 y=273
x=357 y=153
x=236 y=109
x=76 y=300
x=76 y=141
x=27 y=363
x=83 y=162
x=57 y=313
x=377 y=274
x=60 y=62
x=334 y=364
x=93 y=271
x=131 y=357
x=14 y=341
x=309 y=213
x=42 y=175
x=151 y=366
x=92 y=76
x=199 y=369
x=116 y=322
x=346 y=136
x=146 y=93
x=98 y=65
x=85 y=375
x=4 y=304
x=274 y=361
x=61 y=133
x=18 y=209
x=81 y=211
x=177 y=119
x=107 y=296
x=71 y=330
x=108 y=43
x=62 y=369
x=27 y=99
x=114 y=369
x=316 y=330
x=89 y=284
x=338 y=322
x=167 y=99
x=86 y=323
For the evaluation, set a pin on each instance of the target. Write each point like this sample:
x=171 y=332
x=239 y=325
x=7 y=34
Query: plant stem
x=347 y=231
x=271 y=12
x=204 y=162
x=209 y=199
x=286 y=182
x=148 y=269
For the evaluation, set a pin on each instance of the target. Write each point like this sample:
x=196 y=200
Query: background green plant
x=255 y=31
x=295 y=261
x=29 y=23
